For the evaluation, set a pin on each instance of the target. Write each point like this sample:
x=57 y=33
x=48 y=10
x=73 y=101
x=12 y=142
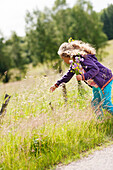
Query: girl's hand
x=53 y=88
x=79 y=77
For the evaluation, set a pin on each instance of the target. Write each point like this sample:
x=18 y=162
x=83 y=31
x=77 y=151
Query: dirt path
x=99 y=160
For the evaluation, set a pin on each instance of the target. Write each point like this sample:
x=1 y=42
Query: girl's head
x=76 y=47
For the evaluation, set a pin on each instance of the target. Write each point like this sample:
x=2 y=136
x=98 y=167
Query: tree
x=47 y=30
x=86 y=24
x=40 y=36
x=79 y=22
x=107 y=19
x=5 y=62
x=62 y=20
x=17 y=51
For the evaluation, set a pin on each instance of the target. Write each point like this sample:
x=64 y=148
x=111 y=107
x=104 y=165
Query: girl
x=83 y=63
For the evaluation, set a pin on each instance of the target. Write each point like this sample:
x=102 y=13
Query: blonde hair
x=76 y=47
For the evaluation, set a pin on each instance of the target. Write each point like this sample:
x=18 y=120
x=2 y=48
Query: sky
x=12 y=12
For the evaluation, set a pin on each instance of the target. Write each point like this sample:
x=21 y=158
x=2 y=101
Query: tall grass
x=35 y=135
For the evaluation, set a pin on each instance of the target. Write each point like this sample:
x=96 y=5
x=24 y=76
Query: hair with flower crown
x=75 y=47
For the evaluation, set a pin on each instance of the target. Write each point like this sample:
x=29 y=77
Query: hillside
x=40 y=130
x=108 y=60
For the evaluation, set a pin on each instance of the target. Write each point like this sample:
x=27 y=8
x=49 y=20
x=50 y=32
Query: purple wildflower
x=70 y=61
x=82 y=59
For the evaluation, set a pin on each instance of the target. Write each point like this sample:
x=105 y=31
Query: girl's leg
x=106 y=97
x=96 y=103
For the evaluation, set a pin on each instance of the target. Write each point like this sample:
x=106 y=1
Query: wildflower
x=76 y=66
x=70 y=61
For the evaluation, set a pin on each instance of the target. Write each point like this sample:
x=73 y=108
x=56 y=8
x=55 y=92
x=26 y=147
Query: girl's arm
x=64 y=79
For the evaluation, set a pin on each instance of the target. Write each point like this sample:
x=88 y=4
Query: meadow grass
x=35 y=135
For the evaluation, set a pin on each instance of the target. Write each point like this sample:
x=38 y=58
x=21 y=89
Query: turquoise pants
x=102 y=99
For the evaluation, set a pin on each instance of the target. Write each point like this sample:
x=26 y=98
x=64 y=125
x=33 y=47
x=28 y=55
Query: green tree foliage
x=47 y=30
x=17 y=50
x=59 y=4
x=107 y=19
x=62 y=20
x=14 y=45
x=41 y=37
x=87 y=25
x=81 y=22
x=5 y=62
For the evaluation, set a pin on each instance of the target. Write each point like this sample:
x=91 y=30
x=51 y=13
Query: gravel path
x=99 y=160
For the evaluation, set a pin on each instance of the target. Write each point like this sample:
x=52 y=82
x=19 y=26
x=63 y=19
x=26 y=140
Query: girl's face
x=66 y=59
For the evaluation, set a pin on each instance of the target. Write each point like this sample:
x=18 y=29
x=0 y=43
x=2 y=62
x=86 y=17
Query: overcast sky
x=12 y=12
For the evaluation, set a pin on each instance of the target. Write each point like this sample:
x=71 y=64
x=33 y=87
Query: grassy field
x=40 y=130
